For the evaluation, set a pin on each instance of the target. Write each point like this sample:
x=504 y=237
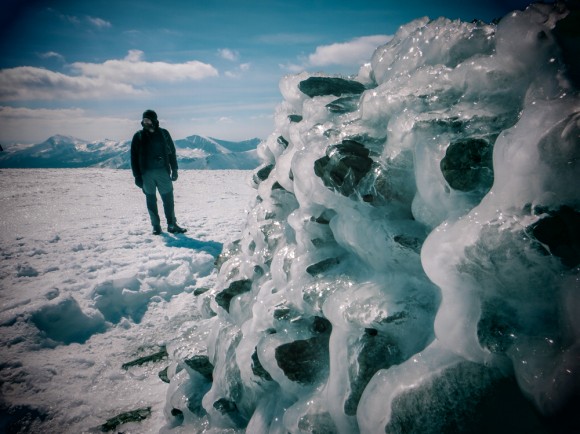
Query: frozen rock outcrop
x=411 y=258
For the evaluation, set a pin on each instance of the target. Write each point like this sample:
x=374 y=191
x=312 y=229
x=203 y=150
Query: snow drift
x=410 y=263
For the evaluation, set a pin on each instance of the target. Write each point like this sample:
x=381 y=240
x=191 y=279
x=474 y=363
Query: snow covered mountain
x=193 y=152
x=62 y=152
x=197 y=152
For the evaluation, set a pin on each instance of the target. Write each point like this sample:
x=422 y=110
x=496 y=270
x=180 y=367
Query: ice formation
x=410 y=263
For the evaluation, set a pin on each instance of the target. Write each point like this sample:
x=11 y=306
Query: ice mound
x=410 y=263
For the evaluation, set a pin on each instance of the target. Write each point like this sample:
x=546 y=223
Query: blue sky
x=209 y=67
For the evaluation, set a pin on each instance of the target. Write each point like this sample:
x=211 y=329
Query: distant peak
x=59 y=138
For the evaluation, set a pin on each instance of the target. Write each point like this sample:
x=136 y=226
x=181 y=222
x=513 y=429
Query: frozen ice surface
x=410 y=262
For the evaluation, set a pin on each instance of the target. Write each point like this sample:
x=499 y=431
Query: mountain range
x=193 y=152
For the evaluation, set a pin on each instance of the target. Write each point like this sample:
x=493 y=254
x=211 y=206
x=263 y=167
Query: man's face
x=148 y=124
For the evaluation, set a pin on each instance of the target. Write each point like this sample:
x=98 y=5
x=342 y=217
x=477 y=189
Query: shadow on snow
x=183 y=242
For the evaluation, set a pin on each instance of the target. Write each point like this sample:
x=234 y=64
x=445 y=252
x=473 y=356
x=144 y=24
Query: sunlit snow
x=85 y=288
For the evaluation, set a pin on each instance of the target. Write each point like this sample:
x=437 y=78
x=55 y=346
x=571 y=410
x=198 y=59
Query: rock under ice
x=411 y=261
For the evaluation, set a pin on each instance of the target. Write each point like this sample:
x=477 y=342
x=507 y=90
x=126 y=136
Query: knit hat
x=150 y=114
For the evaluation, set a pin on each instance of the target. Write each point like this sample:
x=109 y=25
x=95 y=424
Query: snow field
x=85 y=288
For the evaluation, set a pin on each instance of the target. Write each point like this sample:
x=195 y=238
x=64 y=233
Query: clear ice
x=411 y=261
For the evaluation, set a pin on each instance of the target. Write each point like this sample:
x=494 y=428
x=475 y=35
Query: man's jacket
x=138 y=145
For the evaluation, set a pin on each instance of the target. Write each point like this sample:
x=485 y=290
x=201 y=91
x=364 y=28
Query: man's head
x=149 y=121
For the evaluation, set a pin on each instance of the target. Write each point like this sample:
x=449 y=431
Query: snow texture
x=85 y=289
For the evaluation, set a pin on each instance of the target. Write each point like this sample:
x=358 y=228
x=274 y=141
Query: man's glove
x=139 y=181
x=174 y=175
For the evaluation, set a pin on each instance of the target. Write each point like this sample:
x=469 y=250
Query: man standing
x=154 y=165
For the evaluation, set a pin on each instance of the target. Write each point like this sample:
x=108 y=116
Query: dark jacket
x=138 y=145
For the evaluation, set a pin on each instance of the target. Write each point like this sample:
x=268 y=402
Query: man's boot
x=169 y=208
x=153 y=213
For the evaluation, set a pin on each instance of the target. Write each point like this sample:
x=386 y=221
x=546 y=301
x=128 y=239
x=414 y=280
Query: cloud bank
x=350 y=54
x=26 y=83
x=133 y=69
x=26 y=125
x=110 y=79
x=354 y=52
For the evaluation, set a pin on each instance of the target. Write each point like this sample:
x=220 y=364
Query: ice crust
x=397 y=244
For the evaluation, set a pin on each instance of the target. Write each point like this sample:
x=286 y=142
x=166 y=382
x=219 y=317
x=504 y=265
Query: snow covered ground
x=86 y=288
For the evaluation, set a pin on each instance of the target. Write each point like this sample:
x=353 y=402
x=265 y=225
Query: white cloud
x=71 y=19
x=244 y=67
x=111 y=79
x=227 y=54
x=351 y=53
x=28 y=83
x=93 y=21
x=134 y=56
x=99 y=22
x=133 y=69
x=51 y=54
